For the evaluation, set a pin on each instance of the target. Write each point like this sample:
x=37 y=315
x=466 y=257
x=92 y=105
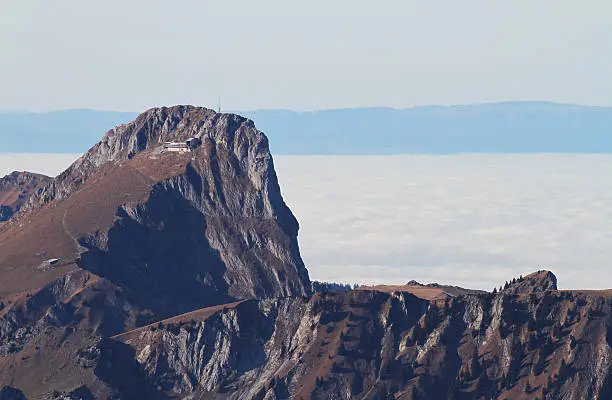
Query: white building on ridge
x=183 y=147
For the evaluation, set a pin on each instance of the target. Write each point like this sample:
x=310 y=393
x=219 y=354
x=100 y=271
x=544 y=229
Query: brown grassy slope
x=197 y=315
x=427 y=292
x=423 y=292
x=53 y=231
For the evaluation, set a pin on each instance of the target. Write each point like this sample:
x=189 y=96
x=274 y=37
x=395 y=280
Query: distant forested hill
x=517 y=127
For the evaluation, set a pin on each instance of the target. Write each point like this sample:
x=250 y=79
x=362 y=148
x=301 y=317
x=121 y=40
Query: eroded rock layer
x=373 y=345
x=536 y=342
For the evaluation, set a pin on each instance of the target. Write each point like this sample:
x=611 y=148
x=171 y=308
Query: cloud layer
x=471 y=220
x=47 y=164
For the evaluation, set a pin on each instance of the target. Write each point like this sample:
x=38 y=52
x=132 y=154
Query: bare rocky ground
x=179 y=277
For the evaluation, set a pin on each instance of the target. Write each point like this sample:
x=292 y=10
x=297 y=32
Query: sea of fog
x=471 y=220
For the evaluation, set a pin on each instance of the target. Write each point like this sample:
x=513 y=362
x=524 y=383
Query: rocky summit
x=134 y=232
x=177 y=230
x=16 y=189
x=164 y=264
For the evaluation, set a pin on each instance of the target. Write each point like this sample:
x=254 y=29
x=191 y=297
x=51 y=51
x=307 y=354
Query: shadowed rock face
x=9 y=393
x=6 y=213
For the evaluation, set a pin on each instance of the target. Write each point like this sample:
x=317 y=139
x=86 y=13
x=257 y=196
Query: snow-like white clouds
x=471 y=220
x=47 y=164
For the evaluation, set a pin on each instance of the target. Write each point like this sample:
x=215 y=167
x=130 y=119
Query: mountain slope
x=365 y=344
x=529 y=341
x=432 y=291
x=131 y=234
x=126 y=208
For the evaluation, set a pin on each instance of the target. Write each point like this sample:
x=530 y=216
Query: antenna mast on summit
x=219 y=105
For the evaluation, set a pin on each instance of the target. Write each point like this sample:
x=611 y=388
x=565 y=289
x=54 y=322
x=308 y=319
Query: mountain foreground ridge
x=140 y=273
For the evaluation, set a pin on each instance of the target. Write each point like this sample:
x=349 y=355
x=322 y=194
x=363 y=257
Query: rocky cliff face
x=16 y=189
x=131 y=234
x=372 y=345
x=233 y=141
x=179 y=230
x=362 y=344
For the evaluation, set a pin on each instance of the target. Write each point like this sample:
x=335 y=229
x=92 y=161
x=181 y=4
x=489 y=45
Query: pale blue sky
x=131 y=55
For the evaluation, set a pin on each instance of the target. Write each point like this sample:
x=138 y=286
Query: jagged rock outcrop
x=15 y=190
x=372 y=345
x=361 y=344
x=540 y=281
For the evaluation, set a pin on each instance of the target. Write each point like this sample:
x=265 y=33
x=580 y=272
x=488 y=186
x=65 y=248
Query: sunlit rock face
x=367 y=344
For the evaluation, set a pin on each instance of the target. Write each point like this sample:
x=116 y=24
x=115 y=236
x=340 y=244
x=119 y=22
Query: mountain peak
x=132 y=211
x=158 y=125
x=148 y=133
x=536 y=282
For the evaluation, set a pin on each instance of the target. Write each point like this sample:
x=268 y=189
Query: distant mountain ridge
x=510 y=127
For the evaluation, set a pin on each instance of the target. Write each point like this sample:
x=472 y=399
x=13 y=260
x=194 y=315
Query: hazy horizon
x=315 y=110
x=273 y=54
